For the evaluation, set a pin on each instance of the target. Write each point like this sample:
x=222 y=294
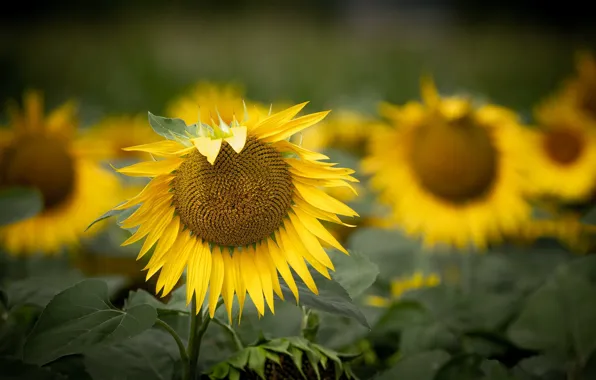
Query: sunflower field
x=242 y=191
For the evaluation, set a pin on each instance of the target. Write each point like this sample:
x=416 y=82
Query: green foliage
x=18 y=203
x=332 y=298
x=80 y=318
x=355 y=273
x=166 y=127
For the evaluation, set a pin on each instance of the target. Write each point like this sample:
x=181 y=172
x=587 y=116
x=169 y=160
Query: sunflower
x=448 y=170
x=225 y=100
x=401 y=285
x=580 y=92
x=41 y=153
x=114 y=133
x=235 y=204
x=561 y=154
x=347 y=130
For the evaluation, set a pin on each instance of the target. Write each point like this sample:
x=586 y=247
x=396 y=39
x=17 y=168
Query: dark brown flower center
x=563 y=145
x=588 y=100
x=456 y=161
x=40 y=162
x=240 y=200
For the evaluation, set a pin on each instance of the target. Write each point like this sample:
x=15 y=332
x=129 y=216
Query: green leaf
x=421 y=366
x=542 y=367
x=418 y=339
x=355 y=273
x=332 y=298
x=176 y=304
x=151 y=355
x=107 y=215
x=493 y=370
x=18 y=203
x=461 y=367
x=256 y=360
x=39 y=290
x=167 y=127
x=80 y=318
x=14 y=369
x=559 y=318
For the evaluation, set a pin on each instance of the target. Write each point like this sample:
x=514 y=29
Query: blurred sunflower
x=348 y=130
x=399 y=286
x=580 y=92
x=42 y=153
x=235 y=204
x=223 y=100
x=561 y=154
x=114 y=133
x=448 y=170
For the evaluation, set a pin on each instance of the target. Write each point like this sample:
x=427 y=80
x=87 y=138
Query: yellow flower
x=580 y=92
x=225 y=101
x=561 y=154
x=234 y=205
x=41 y=153
x=348 y=130
x=399 y=286
x=449 y=171
x=108 y=137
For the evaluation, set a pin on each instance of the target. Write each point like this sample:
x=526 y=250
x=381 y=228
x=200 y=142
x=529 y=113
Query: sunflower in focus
x=347 y=130
x=215 y=100
x=235 y=204
x=580 y=92
x=117 y=132
x=449 y=171
x=561 y=154
x=399 y=286
x=41 y=153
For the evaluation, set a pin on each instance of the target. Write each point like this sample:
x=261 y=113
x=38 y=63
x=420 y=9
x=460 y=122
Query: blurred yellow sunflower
x=561 y=154
x=234 y=204
x=215 y=100
x=41 y=153
x=401 y=285
x=108 y=137
x=448 y=170
x=346 y=129
x=580 y=92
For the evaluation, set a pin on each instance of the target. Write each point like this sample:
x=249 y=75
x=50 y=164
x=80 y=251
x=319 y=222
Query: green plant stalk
x=181 y=348
x=230 y=330
x=193 y=343
x=198 y=327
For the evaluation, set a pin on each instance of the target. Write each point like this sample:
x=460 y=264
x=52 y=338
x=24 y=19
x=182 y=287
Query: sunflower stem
x=193 y=342
x=230 y=330
x=181 y=348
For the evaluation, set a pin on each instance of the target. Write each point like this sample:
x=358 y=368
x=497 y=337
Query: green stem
x=181 y=348
x=193 y=342
x=230 y=330
x=198 y=327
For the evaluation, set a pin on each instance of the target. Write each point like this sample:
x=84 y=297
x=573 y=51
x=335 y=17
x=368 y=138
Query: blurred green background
x=136 y=55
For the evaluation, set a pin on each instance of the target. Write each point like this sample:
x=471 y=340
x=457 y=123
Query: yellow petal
x=252 y=279
x=317 y=229
x=33 y=107
x=315 y=212
x=322 y=200
x=152 y=168
x=203 y=269
x=146 y=227
x=295 y=260
x=286 y=146
x=168 y=237
x=156 y=232
x=148 y=209
x=430 y=95
x=282 y=266
x=155 y=186
x=301 y=251
x=311 y=242
x=177 y=261
x=294 y=126
x=239 y=282
x=238 y=139
x=62 y=119
x=227 y=291
x=216 y=281
x=274 y=122
x=208 y=147
x=160 y=148
x=264 y=266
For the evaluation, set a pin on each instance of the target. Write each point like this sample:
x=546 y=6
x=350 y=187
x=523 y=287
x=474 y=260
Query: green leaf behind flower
x=18 y=203
x=80 y=318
